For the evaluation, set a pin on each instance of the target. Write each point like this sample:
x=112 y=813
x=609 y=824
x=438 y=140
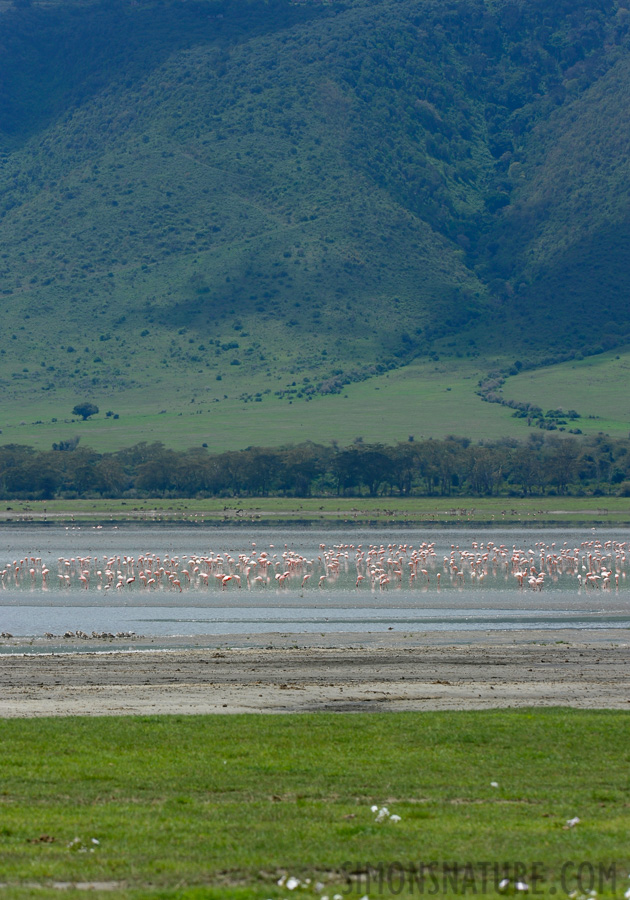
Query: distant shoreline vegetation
x=546 y=464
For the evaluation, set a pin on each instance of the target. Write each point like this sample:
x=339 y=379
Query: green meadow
x=224 y=807
x=454 y=512
x=422 y=399
x=597 y=387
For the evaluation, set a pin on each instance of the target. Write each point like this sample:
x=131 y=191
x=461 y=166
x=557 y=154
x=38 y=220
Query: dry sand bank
x=283 y=674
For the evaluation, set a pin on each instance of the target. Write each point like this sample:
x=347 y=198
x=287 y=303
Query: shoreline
x=283 y=673
x=346 y=512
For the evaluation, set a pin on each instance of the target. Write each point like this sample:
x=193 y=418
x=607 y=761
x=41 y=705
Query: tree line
x=544 y=464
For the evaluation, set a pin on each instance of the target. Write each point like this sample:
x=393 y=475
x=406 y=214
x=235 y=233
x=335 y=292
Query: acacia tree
x=85 y=410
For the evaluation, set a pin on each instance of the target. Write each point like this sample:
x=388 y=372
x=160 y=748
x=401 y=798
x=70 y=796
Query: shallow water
x=483 y=598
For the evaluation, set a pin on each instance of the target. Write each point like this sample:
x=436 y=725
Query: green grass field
x=223 y=807
x=423 y=400
x=464 y=511
x=597 y=387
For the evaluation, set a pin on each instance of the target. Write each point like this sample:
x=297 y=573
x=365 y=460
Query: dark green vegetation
x=455 y=467
x=171 y=800
x=264 y=202
x=85 y=410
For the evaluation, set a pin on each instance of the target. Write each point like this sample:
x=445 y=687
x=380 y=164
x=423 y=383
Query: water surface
x=483 y=596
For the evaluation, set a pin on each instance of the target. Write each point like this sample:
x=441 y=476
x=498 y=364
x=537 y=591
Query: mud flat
x=292 y=673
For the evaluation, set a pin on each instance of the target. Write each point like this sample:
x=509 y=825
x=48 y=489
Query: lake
x=168 y=580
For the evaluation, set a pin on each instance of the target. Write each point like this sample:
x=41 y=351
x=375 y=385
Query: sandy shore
x=290 y=673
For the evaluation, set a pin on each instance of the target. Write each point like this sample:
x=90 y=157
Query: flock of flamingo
x=591 y=566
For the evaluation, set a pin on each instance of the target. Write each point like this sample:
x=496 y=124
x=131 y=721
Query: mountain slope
x=262 y=199
x=207 y=199
x=564 y=240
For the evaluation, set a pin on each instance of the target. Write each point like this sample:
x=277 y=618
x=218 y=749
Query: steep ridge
x=564 y=240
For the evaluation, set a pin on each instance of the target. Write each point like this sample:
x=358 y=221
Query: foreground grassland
x=457 y=511
x=224 y=806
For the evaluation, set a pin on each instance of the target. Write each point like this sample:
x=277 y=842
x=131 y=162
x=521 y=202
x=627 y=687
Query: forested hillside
x=269 y=199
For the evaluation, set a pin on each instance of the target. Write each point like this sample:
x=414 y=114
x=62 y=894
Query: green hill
x=231 y=202
x=564 y=243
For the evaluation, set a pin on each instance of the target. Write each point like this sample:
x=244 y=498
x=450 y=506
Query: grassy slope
x=230 y=803
x=234 y=223
x=596 y=387
x=294 y=194
x=431 y=399
x=423 y=400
